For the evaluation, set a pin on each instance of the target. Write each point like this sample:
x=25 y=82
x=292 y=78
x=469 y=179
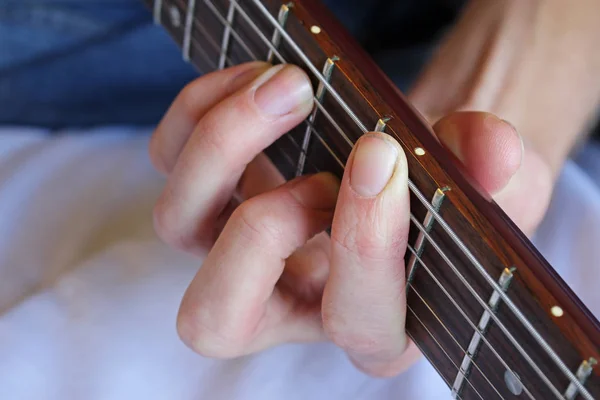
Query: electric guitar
x=485 y=308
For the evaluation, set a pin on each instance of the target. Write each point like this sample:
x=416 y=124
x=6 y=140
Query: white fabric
x=89 y=295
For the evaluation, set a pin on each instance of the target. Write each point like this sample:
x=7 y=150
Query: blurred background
x=81 y=63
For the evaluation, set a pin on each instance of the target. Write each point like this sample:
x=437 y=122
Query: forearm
x=533 y=63
x=555 y=92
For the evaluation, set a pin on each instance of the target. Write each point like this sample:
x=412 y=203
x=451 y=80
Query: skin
x=269 y=274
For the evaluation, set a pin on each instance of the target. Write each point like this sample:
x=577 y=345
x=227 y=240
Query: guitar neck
x=484 y=307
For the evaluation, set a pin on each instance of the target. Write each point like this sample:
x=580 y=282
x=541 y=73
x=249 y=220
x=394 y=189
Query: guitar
x=485 y=308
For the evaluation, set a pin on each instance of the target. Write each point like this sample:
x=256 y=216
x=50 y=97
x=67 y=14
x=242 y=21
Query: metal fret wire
x=413 y=188
x=211 y=41
x=465 y=353
x=233 y=31
x=272 y=48
x=187 y=36
x=276 y=52
x=289 y=160
x=197 y=46
x=157 y=11
x=226 y=36
x=282 y=60
x=450 y=232
x=465 y=316
x=304 y=58
x=427 y=357
x=557 y=360
x=442 y=348
x=487 y=308
x=311 y=127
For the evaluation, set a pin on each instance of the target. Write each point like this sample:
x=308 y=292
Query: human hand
x=272 y=275
x=532 y=63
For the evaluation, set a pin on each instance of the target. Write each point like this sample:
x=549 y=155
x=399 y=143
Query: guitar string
x=487 y=308
x=279 y=56
x=292 y=164
x=282 y=60
x=416 y=191
x=197 y=24
x=289 y=160
x=199 y=48
x=441 y=347
x=276 y=52
x=425 y=354
x=466 y=317
x=526 y=323
x=464 y=352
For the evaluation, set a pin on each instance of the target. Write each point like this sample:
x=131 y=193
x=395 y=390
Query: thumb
x=499 y=160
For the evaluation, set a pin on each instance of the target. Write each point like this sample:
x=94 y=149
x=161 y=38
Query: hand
x=271 y=275
x=533 y=63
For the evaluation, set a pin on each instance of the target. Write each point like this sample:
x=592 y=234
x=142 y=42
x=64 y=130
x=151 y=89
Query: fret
x=471 y=258
x=327 y=72
x=450 y=304
x=227 y=34
x=276 y=39
x=459 y=310
x=435 y=339
x=247 y=49
x=524 y=356
x=157 y=7
x=381 y=124
x=436 y=202
x=202 y=50
x=583 y=373
x=476 y=342
x=187 y=34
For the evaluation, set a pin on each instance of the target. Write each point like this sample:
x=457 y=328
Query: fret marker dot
x=175 y=16
x=513 y=383
x=557 y=311
x=419 y=151
x=315 y=29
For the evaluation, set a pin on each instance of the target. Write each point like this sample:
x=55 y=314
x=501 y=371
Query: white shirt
x=89 y=295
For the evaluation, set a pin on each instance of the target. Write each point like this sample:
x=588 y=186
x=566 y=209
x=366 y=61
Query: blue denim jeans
x=77 y=63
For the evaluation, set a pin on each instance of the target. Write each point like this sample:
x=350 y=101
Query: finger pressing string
x=224 y=141
x=364 y=303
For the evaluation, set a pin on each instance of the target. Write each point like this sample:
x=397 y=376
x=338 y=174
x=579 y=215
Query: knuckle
x=168 y=227
x=212 y=342
x=190 y=96
x=343 y=335
x=211 y=136
x=224 y=142
x=258 y=225
x=156 y=155
x=364 y=245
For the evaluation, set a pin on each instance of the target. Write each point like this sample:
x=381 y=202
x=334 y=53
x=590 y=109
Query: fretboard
x=484 y=307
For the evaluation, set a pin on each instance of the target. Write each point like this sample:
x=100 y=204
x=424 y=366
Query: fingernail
x=282 y=89
x=509 y=124
x=373 y=165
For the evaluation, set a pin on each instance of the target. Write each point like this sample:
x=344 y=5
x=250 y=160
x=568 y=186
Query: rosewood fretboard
x=484 y=307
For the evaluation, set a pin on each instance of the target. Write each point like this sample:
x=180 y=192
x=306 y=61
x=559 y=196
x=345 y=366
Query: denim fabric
x=85 y=62
x=74 y=63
